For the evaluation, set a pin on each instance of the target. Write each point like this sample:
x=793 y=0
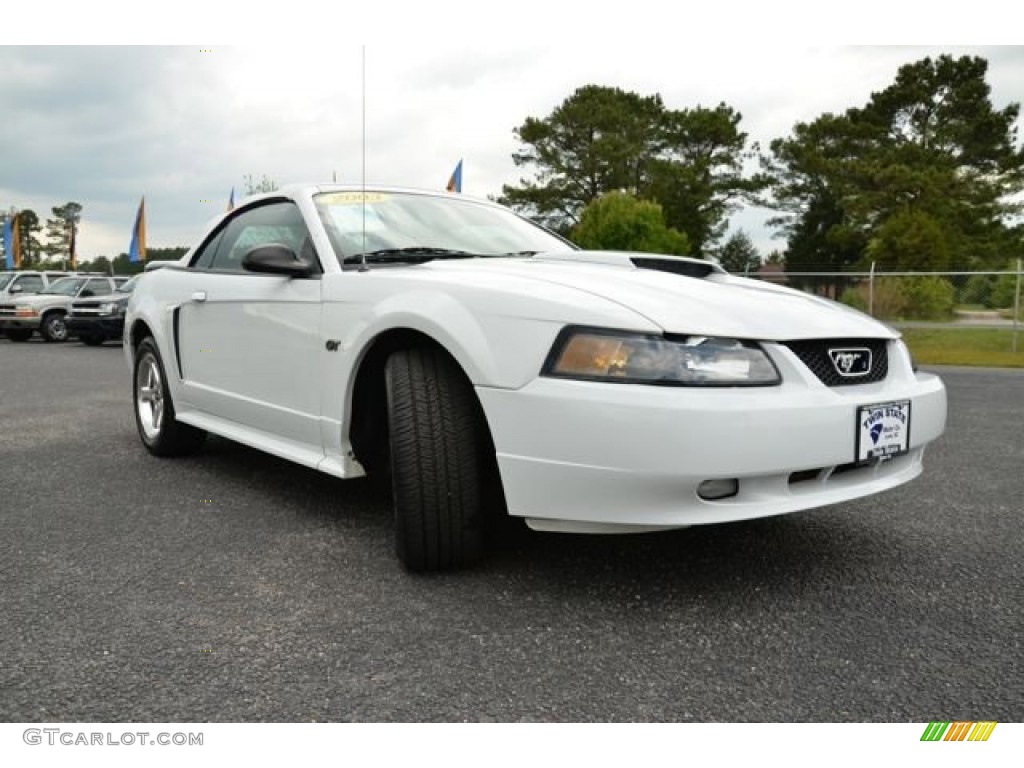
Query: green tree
x=618 y=221
x=810 y=193
x=58 y=230
x=595 y=141
x=28 y=234
x=602 y=140
x=822 y=240
x=1004 y=288
x=930 y=154
x=166 y=254
x=698 y=173
x=911 y=240
x=739 y=254
x=929 y=298
x=99 y=264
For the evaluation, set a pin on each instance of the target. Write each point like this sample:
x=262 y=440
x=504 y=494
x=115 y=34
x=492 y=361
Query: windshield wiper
x=417 y=254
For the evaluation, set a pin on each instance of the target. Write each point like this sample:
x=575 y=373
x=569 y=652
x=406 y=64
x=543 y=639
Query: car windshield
x=4 y=280
x=66 y=286
x=129 y=286
x=406 y=227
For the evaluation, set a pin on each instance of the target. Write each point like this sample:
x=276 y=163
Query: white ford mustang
x=493 y=370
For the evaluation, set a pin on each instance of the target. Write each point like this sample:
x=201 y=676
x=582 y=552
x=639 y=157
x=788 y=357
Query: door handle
x=199 y=296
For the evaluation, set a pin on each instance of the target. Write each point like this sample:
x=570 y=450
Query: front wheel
x=438 y=445
x=161 y=433
x=54 y=327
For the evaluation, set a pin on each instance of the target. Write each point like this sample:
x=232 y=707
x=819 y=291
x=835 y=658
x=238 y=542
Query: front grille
x=814 y=353
x=85 y=308
x=6 y=310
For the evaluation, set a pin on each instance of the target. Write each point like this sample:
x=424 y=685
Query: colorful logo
x=961 y=731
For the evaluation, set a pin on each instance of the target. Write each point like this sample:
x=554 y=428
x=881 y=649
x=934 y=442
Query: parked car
x=47 y=310
x=26 y=282
x=100 y=318
x=492 y=370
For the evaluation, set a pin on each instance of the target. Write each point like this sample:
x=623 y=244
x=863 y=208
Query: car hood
x=105 y=298
x=717 y=304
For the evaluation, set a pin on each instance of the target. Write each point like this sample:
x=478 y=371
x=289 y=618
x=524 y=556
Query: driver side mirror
x=16 y=289
x=276 y=259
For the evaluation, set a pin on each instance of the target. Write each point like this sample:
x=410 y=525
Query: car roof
x=297 y=190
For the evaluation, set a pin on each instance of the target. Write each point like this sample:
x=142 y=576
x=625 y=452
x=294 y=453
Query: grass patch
x=965 y=346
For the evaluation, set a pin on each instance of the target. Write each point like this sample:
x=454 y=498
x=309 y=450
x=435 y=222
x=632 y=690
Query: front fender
x=499 y=332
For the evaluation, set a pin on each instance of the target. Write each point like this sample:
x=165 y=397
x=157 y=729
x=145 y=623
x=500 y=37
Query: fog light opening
x=715 y=490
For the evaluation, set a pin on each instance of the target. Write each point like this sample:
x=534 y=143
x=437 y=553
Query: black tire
x=19 y=334
x=92 y=341
x=161 y=433
x=54 y=327
x=438 y=443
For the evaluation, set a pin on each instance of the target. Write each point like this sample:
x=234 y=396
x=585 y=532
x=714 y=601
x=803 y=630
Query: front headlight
x=24 y=311
x=109 y=309
x=600 y=355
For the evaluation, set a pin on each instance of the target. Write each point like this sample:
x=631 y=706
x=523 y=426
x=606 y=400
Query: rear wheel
x=54 y=327
x=161 y=433
x=438 y=444
x=19 y=334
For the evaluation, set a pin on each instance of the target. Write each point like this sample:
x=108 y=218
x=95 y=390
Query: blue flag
x=455 y=182
x=137 y=250
x=8 y=237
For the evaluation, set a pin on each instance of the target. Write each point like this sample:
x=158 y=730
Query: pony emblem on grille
x=852 y=361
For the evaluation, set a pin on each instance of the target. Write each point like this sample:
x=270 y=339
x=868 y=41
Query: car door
x=248 y=342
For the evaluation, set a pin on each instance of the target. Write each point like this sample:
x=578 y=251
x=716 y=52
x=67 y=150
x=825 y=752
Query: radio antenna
x=362 y=193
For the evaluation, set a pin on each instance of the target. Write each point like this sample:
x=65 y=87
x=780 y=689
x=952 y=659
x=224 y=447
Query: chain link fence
x=991 y=300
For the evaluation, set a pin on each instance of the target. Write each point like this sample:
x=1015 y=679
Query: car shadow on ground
x=812 y=547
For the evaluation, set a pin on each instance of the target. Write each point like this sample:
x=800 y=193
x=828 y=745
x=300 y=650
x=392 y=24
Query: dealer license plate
x=883 y=430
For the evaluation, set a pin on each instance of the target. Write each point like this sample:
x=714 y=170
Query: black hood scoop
x=676 y=265
x=686 y=267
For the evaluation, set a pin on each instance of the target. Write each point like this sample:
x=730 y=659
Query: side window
x=96 y=287
x=30 y=283
x=272 y=223
x=204 y=258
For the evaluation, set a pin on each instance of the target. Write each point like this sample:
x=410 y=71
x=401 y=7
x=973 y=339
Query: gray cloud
x=104 y=125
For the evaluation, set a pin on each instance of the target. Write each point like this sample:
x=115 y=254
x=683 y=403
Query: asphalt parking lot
x=234 y=586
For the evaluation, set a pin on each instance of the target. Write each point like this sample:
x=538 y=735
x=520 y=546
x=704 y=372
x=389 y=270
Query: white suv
x=46 y=311
x=28 y=282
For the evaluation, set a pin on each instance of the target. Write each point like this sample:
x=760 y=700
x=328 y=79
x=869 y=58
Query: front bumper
x=107 y=326
x=19 y=323
x=584 y=456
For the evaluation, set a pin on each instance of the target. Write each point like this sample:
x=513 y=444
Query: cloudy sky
x=104 y=124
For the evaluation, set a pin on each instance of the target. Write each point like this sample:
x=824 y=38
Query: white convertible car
x=494 y=370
